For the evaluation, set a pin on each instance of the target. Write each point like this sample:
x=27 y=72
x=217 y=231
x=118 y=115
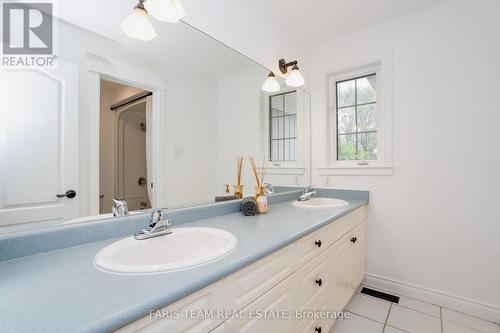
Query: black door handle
x=319 y=282
x=354 y=239
x=70 y=194
x=317 y=329
x=318 y=243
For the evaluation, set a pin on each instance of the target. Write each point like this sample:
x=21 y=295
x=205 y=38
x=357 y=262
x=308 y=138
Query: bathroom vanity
x=320 y=271
x=292 y=258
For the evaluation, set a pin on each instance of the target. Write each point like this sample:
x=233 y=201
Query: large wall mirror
x=158 y=123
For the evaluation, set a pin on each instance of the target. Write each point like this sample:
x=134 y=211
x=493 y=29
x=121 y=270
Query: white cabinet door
x=38 y=143
x=340 y=254
x=358 y=240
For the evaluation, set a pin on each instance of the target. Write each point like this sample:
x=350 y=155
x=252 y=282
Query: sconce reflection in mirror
x=138 y=26
x=294 y=78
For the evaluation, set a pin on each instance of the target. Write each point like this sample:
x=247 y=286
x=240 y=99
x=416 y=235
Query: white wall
x=191 y=137
x=434 y=223
x=239 y=119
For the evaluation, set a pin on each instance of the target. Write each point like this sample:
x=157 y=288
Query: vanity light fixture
x=295 y=78
x=137 y=25
x=271 y=84
x=165 y=10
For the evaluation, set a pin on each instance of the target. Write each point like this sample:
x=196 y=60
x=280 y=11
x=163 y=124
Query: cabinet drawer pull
x=354 y=239
x=319 y=282
x=318 y=243
x=317 y=329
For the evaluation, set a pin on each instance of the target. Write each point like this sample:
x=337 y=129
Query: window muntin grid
x=283 y=127
x=356 y=104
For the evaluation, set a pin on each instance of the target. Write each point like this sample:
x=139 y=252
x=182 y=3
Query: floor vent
x=379 y=294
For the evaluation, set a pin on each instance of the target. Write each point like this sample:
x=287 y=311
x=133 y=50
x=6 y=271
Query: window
x=356 y=108
x=283 y=127
x=359 y=135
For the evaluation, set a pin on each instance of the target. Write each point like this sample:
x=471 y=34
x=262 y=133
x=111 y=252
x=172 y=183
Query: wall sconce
x=165 y=10
x=271 y=84
x=138 y=26
x=295 y=78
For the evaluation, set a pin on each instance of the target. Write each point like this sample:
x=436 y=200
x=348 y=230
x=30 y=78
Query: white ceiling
x=316 y=21
x=307 y=23
x=179 y=44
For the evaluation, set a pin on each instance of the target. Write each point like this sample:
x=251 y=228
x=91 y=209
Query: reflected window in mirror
x=283 y=127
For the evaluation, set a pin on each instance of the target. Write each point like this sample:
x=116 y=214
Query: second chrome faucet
x=307 y=193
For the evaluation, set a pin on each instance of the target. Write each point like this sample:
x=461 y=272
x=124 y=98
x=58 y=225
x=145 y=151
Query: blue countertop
x=62 y=291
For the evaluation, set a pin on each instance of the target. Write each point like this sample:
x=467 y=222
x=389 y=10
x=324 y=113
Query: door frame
x=94 y=69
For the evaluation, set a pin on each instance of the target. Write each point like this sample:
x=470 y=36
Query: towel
x=249 y=206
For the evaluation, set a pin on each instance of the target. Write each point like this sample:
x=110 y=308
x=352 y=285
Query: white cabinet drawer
x=314 y=282
x=313 y=244
x=346 y=223
x=358 y=215
x=342 y=226
x=280 y=298
x=219 y=329
x=211 y=297
x=247 y=284
x=315 y=325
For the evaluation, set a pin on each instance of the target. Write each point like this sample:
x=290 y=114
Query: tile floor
x=373 y=315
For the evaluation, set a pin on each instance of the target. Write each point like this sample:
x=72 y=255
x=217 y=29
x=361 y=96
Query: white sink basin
x=321 y=203
x=182 y=249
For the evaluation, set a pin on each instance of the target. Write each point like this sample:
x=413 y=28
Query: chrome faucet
x=120 y=207
x=307 y=193
x=159 y=226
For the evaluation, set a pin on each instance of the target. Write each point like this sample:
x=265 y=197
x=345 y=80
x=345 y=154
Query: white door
x=38 y=144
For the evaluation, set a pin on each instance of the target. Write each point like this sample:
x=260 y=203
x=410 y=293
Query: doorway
x=124 y=140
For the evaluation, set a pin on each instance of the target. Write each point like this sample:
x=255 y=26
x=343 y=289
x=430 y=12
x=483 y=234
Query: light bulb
x=137 y=25
x=271 y=84
x=165 y=10
x=295 y=79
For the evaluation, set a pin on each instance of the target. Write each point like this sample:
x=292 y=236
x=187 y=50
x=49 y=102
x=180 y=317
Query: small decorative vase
x=238 y=191
x=261 y=199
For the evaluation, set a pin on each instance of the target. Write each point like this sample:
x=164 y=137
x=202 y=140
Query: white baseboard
x=455 y=302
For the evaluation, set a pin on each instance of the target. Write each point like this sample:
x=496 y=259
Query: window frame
x=382 y=165
x=282 y=140
x=355 y=105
